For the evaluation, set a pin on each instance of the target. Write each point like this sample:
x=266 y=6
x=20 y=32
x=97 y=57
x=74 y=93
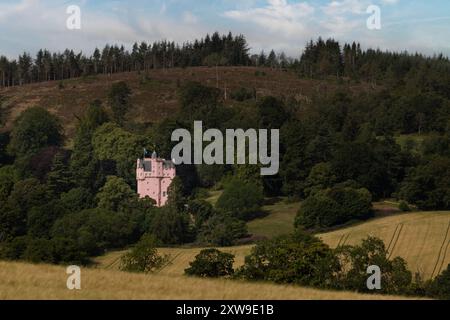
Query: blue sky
x=285 y=25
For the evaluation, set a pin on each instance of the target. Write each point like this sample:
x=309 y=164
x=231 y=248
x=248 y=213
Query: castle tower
x=154 y=177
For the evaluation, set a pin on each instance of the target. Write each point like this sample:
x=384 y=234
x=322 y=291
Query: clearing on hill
x=422 y=239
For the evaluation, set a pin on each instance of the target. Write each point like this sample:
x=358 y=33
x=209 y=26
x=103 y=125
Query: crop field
x=422 y=239
x=28 y=281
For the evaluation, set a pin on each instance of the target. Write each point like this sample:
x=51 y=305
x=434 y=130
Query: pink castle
x=154 y=177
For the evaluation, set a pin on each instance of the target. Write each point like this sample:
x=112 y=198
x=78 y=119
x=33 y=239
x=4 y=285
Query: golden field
x=422 y=239
x=27 y=281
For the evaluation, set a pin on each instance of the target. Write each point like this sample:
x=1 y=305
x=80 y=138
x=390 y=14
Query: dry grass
x=179 y=259
x=155 y=95
x=422 y=239
x=26 y=281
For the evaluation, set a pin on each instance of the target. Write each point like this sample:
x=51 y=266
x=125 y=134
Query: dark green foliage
x=170 y=226
x=333 y=207
x=96 y=230
x=222 y=230
x=25 y=195
x=77 y=199
x=88 y=171
x=428 y=185
x=295 y=259
x=5 y=158
x=209 y=176
x=271 y=113
x=34 y=130
x=241 y=199
x=395 y=276
x=119 y=101
x=243 y=94
x=116 y=195
x=59 y=179
x=440 y=287
x=143 y=257
x=403 y=206
x=201 y=211
x=41 y=218
x=211 y=263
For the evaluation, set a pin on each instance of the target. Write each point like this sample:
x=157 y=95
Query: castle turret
x=154 y=177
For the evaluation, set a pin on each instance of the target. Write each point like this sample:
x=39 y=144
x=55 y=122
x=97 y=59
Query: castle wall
x=154 y=177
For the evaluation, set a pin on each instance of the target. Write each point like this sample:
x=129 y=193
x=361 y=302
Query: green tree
x=170 y=226
x=59 y=178
x=211 y=263
x=294 y=259
x=440 y=286
x=143 y=257
x=428 y=185
x=116 y=195
x=112 y=143
x=25 y=195
x=34 y=130
x=119 y=100
x=395 y=276
x=241 y=199
x=222 y=230
x=333 y=207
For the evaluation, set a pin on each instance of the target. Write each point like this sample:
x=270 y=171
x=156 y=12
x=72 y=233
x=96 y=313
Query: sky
x=284 y=25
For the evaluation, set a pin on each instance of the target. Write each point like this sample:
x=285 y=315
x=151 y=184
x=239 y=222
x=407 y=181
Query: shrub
x=143 y=257
x=440 y=286
x=211 y=263
x=222 y=230
x=242 y=94
x=170 y=226
x=241 y=199
x=403 y=206
x=395 y=277
x=295 y=259
x=333 y=207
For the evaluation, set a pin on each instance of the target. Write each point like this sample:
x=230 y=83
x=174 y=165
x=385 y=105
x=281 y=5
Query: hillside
x=155 y=94
x=422 y=239
x=27 y=281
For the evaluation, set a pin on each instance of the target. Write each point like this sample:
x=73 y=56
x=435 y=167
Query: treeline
x=329 y=58
x=46 y=66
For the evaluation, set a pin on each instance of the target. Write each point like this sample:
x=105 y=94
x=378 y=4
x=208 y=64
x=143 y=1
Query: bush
x=242 y=94
x=222 y=230
x=299 y=259
x=241 y=199
x=395 y=277
x=428 y=186
x=143 y=257
x=440 y=286
x=170 y=226
x=334 y=207
x=211 y=263
x=403 y=206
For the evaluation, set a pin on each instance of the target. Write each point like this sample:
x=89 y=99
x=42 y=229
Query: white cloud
x=276 y=16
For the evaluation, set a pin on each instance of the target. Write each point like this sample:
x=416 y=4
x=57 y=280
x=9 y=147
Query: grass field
x=179 y=259
x=279 y=221
x=422 y=239
x=27 y=281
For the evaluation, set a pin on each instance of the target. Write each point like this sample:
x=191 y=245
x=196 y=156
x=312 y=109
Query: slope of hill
x=155 y=94
x=422 y=239
x=27 y=281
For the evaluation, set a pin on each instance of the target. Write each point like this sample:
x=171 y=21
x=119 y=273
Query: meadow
x=28 y=281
